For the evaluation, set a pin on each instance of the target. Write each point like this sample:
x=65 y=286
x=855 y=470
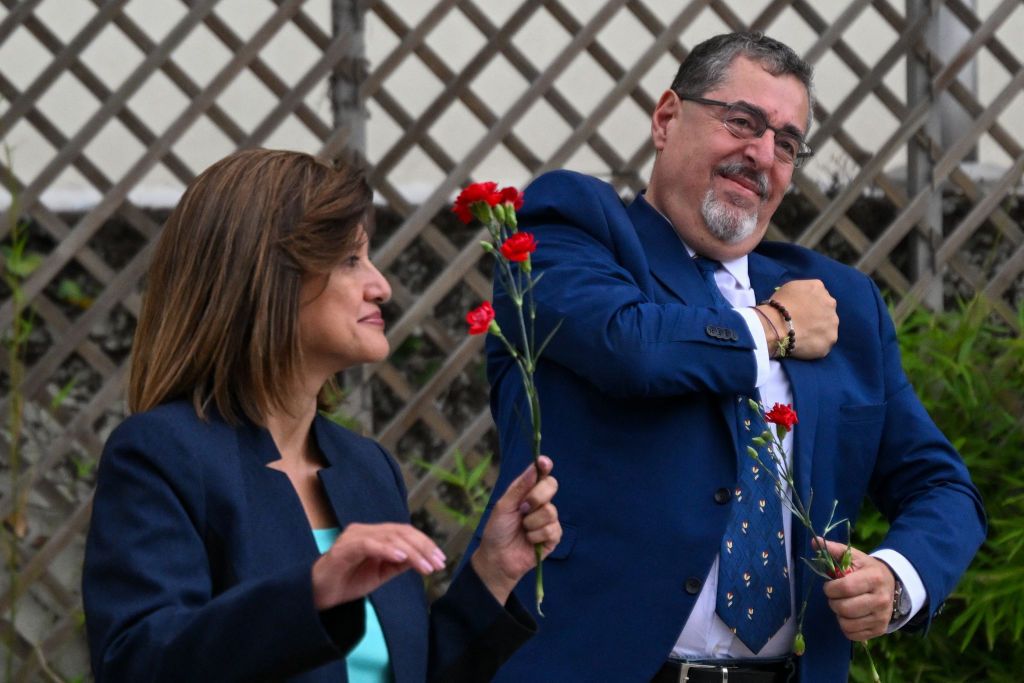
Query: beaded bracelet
x=768 y=320
x=788 y=343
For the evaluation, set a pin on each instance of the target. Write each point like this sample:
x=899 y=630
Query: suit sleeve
x=596 y=289
x=920 y=483
x=152 y=611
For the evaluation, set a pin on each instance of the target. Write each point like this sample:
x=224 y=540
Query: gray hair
x=708 y=64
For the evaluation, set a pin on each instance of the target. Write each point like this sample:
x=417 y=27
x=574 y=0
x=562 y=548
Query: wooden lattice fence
x=454 y=90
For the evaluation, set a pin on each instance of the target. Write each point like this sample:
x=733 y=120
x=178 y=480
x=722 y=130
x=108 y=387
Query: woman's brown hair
x=219 y=320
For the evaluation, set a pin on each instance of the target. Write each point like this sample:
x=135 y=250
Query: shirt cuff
x=761 y=357
x=913 y=587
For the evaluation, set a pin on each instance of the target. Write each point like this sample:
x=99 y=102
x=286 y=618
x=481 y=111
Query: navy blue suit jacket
x=636 y=390
x=199 y=557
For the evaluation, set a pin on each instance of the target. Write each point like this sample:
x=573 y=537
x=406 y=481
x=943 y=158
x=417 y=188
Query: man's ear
x=663 y=114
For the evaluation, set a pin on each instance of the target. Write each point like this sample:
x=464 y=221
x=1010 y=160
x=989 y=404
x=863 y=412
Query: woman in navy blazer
x=201 y=562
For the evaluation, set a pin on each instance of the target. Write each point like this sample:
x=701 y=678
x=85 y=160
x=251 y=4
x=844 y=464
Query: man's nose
x=761 y=150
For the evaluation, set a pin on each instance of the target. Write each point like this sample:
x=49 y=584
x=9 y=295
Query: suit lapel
x=666 y=255
x=360 y=489
x=345 y=481
x=670 y=265
x=281 y=519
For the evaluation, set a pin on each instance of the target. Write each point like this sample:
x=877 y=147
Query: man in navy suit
x=640 y=389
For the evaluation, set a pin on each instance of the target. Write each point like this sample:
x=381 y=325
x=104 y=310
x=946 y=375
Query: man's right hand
x=813 y=311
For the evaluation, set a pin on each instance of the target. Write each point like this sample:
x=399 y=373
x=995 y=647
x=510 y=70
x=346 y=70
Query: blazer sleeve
x=471 y=633
x=595 y=288
x=152 y=611
x=920 y=483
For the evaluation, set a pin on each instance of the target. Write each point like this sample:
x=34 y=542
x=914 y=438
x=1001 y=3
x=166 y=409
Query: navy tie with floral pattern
x=753 y=579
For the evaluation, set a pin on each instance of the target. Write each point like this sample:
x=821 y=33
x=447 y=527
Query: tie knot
x=706 y=265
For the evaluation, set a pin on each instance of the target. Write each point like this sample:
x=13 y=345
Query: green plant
x=17 y=263
x=468 y=482
x=334 y=408
x=968 y=370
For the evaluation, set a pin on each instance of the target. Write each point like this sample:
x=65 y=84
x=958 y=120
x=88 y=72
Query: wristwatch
x=900 y=602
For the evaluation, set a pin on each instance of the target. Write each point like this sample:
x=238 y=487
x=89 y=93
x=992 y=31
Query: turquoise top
x=368 y=662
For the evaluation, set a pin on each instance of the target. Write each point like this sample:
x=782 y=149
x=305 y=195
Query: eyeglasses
x=745 y=122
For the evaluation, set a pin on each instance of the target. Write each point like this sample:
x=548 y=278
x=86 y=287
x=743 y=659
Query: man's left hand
x=862 y=600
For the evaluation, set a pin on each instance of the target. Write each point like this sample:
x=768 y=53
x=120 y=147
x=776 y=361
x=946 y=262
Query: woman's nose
x=378 y=289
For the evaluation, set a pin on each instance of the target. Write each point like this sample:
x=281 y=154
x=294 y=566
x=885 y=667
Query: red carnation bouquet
x=780 y=470
x=511 y=249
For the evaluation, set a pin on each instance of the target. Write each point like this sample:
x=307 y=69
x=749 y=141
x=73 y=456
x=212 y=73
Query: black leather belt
x=726 y=671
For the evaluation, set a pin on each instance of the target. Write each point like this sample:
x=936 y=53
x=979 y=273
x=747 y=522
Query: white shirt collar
x=736 y=267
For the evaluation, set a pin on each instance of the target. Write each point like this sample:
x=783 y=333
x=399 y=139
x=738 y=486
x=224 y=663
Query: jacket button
x=722 y=496
x=693 y=585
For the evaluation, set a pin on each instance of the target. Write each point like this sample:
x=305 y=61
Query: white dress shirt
x=705 y=635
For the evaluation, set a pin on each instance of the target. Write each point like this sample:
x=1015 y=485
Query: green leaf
x=439 y=472
x=84 y=467
x=547 y=340
x=21 y=264
x=476 y=475
x=62 y=394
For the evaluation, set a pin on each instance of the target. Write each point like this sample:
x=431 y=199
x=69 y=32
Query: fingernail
x=425 y=566
x=440 y=558
x=399 y=555
x=524 y=507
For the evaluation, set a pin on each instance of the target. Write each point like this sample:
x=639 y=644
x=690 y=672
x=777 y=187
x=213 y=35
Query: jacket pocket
x=859 y=434
x=565 y=546
x=871 y=412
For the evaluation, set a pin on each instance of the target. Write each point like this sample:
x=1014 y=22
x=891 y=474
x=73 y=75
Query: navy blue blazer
x=199 y=557
x=636 y=390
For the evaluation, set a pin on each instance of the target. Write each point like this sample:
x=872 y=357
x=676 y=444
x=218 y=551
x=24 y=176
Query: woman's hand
x=521 y=518
x=366 y=556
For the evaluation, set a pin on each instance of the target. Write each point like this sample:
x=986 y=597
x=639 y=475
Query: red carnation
x=480 y=318
x=839 y=572
x=782 y=415
x=518 y=247
x=477 y=192
x=511 y=195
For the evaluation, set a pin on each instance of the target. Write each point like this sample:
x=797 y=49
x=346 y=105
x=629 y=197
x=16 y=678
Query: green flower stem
x=780 y=471
x=525 y=361
x=772 y=443
x=871 y=663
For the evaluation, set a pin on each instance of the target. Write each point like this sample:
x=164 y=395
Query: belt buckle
x=684 y=672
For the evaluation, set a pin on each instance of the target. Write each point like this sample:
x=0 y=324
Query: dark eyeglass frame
x=803 y=152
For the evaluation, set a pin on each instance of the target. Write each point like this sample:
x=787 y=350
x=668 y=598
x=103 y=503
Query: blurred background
x=109 y=108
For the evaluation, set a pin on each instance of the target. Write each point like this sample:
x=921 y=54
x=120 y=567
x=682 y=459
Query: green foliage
x=468 y=482
x=62 y=394
x=969 y=372
x=17 y=261
x=418 y=359
x=70 y=291
x=84 y=466
x=333 y=398
x=17 y=264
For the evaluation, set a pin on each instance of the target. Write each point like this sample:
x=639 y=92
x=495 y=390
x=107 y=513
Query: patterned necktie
x=753 y=579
